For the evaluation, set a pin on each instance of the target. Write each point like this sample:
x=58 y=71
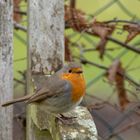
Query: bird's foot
x=65 y=119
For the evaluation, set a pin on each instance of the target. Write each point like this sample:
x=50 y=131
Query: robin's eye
x=70 y=71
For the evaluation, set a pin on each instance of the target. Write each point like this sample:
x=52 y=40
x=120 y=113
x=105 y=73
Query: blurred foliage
x=104 y=36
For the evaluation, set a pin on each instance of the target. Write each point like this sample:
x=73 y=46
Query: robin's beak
x=77 y=70
x=80 y=71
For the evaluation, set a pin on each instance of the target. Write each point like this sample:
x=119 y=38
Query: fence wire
x=115 y=108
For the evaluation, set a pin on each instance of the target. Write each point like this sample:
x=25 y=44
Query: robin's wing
x=38 y=97
x=52 y=87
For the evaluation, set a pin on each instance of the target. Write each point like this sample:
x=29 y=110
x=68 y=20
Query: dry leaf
x=116 y=75
x=17 y=17
x=114 y=68
x=75 y=18
x=101 y=47
x=102 y=30
x=77 y=21
x=133 y=30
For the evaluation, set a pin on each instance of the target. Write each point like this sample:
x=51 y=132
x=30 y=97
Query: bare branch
x=20 y=12
x=19 y=27
x=121 y=21
x=84 y=61
x=132 y=48
x=72 y=3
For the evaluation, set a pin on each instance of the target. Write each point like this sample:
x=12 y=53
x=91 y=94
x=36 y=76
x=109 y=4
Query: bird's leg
x=65 y=119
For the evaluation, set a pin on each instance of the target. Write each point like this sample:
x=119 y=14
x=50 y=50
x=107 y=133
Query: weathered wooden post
x=6 y=68
x=46 y=54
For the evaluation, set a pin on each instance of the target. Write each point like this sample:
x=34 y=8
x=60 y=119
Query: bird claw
x=66 y=120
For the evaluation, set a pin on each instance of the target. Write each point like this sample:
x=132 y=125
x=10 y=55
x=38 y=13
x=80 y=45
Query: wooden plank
x=6 y=68
x=46 y=54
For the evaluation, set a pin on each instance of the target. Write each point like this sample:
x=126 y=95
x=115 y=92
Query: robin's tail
x=22 y=99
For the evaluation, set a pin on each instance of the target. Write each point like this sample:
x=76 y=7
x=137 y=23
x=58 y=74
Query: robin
x=61 y=92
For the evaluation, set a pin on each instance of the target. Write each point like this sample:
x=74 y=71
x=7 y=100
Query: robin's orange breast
x=78 y=85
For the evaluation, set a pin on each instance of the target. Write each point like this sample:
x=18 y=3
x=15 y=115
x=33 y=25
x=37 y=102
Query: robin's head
x=72 y=72
x=73 y=67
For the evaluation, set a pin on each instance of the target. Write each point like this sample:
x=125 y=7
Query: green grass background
x=99 y=87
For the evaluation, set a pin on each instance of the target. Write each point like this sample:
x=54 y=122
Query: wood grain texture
x=46 y=35
x=6 y=68
x=46 y=54
x=82 y=128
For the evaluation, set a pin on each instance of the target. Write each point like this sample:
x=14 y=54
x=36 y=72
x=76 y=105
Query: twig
x=19 y=81
x=19 y=26
x=22 y=73
x=95 y=49
x=121 y=21
x=72 y=3
x=20 y=12
x=84 y=61
x=132 y=48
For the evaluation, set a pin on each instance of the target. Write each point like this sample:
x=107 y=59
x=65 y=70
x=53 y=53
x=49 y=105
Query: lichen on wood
x=6 y=68
x=46 y=54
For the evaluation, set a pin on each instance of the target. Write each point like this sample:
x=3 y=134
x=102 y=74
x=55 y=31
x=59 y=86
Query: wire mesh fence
x=106 y=41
